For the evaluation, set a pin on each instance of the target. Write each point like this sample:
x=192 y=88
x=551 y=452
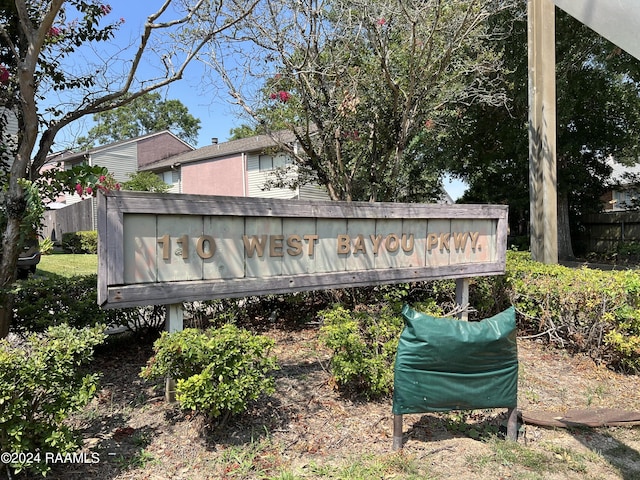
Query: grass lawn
x=67 y=265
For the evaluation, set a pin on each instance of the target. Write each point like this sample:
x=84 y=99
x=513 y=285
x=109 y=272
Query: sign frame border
x=112 y=206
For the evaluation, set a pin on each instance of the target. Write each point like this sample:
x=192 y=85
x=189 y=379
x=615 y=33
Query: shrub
x=629 y=249
x=488 y=296
x=216 y=313
x=40 y=385
x=364 y=343
x=80 y=242
x=43 y=302
x=144 y=321
x=217 y=371
x=586 y=310
x=46 y=246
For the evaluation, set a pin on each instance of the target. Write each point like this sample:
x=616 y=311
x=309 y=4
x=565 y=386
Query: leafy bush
x=80 y=242
x=216 y=313
x=43 y=302
x=257 y=312
x=145 y=182
x=488 y=296
x=46 y=246
x=218 y=371
x=40 y=385
x=144 y=321
x=629 y=249
x=364 y=343
x=586 y=310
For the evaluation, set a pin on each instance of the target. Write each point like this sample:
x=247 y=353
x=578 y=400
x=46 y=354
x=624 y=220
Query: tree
x=40 y=37
x=146 y=114
x=145 y=182
x=355 y=81
x=598 y=115
x=243 y=131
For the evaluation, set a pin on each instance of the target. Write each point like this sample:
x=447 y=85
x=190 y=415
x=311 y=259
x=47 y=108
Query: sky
x=217 y=116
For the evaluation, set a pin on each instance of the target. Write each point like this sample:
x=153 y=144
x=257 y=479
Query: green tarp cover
x=447 y=364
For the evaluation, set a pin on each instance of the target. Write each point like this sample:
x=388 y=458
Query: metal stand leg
x=462 y=297
x=512 y=424
x=397 y=432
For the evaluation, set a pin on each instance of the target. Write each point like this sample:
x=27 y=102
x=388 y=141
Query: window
x=269 y=162
x=625 y=199
x=167 y=177
x=266 y=162
x=281 y=161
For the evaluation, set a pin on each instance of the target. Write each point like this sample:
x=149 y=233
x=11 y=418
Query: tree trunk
x=565 y=250
x=8 y=264
x=6 y=313
x=15 y=200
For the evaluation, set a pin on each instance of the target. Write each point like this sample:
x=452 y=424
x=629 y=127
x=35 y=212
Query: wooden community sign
x=169 y=248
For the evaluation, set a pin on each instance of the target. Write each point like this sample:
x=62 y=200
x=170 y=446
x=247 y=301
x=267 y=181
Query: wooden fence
x=606 y=231
x=73 y=218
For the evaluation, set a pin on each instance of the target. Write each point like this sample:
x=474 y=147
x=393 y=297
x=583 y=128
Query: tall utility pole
x=542 y=131
x=618 y=22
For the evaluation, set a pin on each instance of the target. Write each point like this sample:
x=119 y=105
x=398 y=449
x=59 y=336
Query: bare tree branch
x=365 y=75
x=124 y=94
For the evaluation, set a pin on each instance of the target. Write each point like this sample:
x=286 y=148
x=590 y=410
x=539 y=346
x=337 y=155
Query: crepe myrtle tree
x=356 y=80
x=56 y=67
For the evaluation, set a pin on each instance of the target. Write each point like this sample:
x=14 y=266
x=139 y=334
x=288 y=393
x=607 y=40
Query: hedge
x=42 y=382
x=41 y=302
x=80 y=242
x=581 y=309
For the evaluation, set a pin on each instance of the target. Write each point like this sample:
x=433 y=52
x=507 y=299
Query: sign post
x=174 y=322
x=618 y=22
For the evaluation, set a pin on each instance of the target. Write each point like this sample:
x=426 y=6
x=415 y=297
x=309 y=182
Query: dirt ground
x=306 y=430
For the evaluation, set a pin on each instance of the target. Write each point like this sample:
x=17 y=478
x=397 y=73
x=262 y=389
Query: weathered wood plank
x=264 y=246
x=173 y=292
x=144 y=202
x=388 y=238
x=140 y=249
x=300 y=250
x=327 y=259
x=179 y=260
x=114 y=247
x=227 y=260
x=437 y=250
x=473 y=241
x=502 y=229
x=418 y=256
x=103 y=283
x=357 y=243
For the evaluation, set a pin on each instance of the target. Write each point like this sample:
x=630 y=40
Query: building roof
x=68 y=156
x=620 y=172
x=224 y=149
